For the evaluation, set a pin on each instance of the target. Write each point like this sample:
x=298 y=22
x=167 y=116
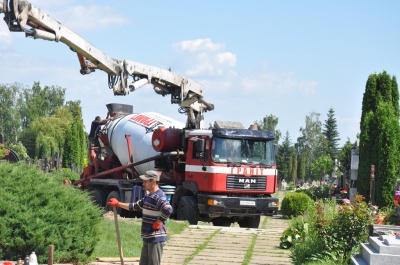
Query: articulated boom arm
x=22 y=16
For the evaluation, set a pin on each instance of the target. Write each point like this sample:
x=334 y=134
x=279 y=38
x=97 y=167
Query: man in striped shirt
x=156 y=210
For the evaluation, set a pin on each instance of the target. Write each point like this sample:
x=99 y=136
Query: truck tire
x=114 y=194
x=222 y=221
x=187 y=210
x=98 y=197
x=249 y=222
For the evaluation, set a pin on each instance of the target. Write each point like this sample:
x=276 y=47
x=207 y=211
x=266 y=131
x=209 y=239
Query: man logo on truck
x=249 y=181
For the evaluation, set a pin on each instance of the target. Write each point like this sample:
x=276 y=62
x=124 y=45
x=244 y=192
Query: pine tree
x=283 y=159
x=331 y=133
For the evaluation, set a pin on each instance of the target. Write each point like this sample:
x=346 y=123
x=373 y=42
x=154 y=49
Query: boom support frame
x=22 y=16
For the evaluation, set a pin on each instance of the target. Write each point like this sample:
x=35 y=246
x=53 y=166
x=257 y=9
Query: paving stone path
x=203 y=244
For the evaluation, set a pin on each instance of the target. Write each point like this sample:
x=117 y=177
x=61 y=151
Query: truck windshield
x=242 y=151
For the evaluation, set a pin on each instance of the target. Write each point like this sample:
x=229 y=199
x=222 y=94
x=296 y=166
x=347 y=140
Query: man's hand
x=113 y=202
x=157 y=225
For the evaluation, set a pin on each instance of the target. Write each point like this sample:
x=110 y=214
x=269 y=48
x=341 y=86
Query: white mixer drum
x=140 y=127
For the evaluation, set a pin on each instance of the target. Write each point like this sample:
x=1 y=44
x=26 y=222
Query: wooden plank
x=116 y=259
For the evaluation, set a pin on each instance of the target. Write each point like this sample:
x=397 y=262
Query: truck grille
x=245 y=183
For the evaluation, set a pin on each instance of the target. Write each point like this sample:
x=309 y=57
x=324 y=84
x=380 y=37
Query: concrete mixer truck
x=222 y=174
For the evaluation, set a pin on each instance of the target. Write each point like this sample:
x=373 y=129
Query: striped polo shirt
x=154 y=206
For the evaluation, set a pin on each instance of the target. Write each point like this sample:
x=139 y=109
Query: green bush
x=297 y=232
x=70 y=175
x=348 y=229
x=37 y=210
x=316 y=193
x=295 y=203
x=334 y=232
x=290 y=186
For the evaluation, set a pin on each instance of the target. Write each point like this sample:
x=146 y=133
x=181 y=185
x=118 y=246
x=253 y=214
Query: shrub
x=70 y=175
x=348 y=229
x=316 y=193
x=37 y=210
x=290 y=186
x=297 y=232
x=295 y=203
x=335 y=231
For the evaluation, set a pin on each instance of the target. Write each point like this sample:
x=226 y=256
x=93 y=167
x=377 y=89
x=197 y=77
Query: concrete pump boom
x=22 y=16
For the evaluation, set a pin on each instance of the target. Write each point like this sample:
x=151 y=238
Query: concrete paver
x=203 y=244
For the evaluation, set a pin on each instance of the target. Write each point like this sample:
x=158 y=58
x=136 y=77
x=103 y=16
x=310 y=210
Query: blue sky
x=254 y=58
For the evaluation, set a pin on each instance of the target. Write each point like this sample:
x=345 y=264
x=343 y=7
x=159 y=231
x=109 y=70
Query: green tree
x=321 y=166
x=345 y=157
x=379 y=137
x=10 y=124
x=50 y=132
x=331 y=134
x=38 y=102
x=293 y=167
x=387 y=146
x=70 y=149
x=302 y=166
x=75 y=147
x=311 y=144
x=284 y=158
x=269 y=123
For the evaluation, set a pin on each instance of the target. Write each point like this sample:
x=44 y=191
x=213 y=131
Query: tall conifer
x=379 y=137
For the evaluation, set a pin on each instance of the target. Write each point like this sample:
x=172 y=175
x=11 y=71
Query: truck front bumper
x=220 y=205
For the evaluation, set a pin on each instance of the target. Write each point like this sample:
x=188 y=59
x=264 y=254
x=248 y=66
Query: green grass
x=200 y=247
x=249 y=252
x=264 y=222
x=129 y=229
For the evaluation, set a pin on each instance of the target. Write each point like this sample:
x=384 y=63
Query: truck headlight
x=273 y=204
x=212 y=202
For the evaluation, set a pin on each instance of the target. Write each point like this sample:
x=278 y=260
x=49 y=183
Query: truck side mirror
x=198 y=147
x=276 y=147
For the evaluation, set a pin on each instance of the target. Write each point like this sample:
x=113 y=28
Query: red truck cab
x=232 y=175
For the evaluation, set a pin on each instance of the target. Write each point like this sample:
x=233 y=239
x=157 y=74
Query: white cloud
x=270 y=82
x=91 y=17
x=202 y=57
x=199 y=45
x=82 y=15
x=227 y=58
x=308 y=87
x=276 y=82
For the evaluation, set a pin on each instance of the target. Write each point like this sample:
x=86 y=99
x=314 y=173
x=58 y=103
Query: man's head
x=150 y=179
x=98 y=118
x=150 y=175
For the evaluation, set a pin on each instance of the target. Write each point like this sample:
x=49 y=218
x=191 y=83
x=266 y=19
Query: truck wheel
x=187 y=210
x=113 y=194
x=98 y=197
x=222 y=221
x=249 y=222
